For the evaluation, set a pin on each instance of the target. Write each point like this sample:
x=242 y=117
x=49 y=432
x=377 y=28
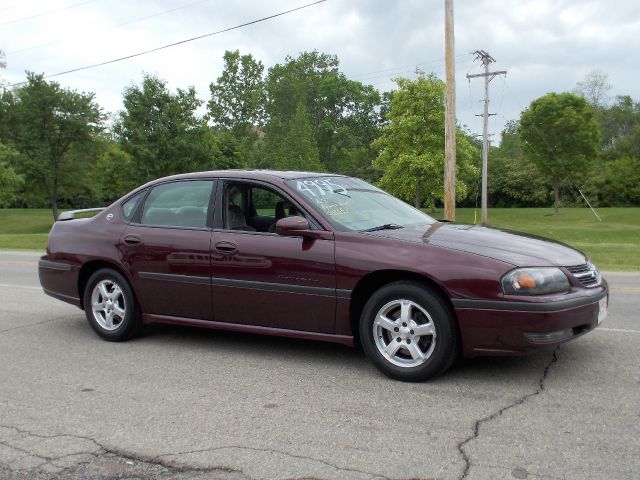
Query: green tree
x=113 y=173
x=46 y=123
x=560 y=135
x=238 y=97
x=514 y=179
x=342 y=112
x=298 y=150
x=623 y=181
x=618 y=122
x=161 y=132
x=411 y=145
x=10 y=181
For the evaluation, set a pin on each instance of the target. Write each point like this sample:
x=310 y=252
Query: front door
x=167 y=250
x=261 y=278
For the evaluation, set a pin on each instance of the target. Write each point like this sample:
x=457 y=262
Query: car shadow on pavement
x=268 y=348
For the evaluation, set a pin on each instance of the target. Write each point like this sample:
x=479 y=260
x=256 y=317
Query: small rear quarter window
x=130 y=206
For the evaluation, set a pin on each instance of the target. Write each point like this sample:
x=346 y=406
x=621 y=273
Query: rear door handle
x=226 y=248
x=132 y=240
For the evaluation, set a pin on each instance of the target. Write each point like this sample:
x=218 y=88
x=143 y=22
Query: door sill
x=148 y=318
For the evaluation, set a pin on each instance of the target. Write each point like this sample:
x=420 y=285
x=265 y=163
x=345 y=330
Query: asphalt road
x=186 y=403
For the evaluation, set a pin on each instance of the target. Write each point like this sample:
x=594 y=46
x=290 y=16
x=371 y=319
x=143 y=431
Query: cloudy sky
x=545 y=45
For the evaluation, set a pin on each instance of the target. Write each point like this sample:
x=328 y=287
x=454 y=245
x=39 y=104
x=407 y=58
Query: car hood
x=507 y=246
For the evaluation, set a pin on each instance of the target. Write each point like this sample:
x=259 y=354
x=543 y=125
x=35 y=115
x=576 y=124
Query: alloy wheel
x=108 y=304
x=404 y=333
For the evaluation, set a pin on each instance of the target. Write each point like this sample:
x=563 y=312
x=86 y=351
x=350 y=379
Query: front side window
x=178 y=204
x=352 y=204
x=254 y=208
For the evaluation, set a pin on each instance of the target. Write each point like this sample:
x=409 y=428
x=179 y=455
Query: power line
x=42 y=14
x=410 y=65
x=128 y=22
x=401 y=70
x=263 y=19
x=384 y=78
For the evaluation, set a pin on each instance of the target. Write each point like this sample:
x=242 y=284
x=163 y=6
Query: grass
x=27 y=241
x=613 y=244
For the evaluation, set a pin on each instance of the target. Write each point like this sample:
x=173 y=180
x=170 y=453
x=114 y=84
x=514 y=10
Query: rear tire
x=409 y=332
x=110 y=306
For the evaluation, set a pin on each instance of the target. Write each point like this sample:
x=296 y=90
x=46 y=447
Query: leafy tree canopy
x=341 y=112
x=411 y=145
x=514 y=179
x=560 y=134
x=45 y=123
x=162 y=134
x=298 y=150
x=10 y=181
x=238 y=97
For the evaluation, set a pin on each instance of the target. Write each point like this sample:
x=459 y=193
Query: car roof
x=250 y=174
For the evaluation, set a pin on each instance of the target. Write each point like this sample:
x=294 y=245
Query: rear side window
x=178 y=204
x=130 y=206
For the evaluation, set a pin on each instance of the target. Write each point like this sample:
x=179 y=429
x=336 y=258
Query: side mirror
x=292 y=226
x=296 y=226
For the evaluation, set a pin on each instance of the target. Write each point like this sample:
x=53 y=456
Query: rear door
x=167 y=249
x=261 y=278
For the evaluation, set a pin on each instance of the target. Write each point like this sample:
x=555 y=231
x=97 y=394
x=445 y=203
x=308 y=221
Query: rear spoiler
x=72 y=214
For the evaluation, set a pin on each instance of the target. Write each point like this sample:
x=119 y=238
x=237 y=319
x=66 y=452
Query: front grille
x=587 y=274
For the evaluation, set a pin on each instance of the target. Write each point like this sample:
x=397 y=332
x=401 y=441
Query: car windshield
x=354 y=205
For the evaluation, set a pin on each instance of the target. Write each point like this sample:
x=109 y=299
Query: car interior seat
x=159 y=216
x=236 y=219
x=192 y=216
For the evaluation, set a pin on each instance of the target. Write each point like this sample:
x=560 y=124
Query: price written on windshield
x=322 y=186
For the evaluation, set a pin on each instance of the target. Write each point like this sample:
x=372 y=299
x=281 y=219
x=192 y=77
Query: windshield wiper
x=386 y=226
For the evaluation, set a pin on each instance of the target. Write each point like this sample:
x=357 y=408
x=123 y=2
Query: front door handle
x=226 y=248
x=132 y=240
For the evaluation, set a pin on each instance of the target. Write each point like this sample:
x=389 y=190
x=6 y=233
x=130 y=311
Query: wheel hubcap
x=108 y=304
x=404 y=333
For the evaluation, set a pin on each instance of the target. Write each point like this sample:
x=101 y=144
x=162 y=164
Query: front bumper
x=511 y=328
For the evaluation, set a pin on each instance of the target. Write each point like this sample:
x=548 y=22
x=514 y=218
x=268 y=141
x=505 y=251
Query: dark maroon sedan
x=322 y=257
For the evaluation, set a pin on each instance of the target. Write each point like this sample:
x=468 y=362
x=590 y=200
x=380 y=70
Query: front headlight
x=534 y=281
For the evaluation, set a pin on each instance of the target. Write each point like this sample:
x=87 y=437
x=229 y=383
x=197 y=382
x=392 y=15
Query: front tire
x=408 y=331
x=110 y=306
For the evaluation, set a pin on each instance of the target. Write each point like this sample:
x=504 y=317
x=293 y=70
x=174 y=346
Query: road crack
x=175 y=467
x=280 y=452
x=476 y=427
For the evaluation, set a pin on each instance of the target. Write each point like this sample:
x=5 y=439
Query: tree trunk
x=556 y=197
x=53 y=201
x=53 y=196
x=418 y=199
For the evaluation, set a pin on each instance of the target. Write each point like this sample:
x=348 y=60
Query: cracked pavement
x=193 y=404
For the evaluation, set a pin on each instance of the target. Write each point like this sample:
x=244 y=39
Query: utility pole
x=450 y=117
x=486 y=59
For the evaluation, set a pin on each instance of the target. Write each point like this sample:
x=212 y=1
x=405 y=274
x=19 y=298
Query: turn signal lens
x=525 y=281
x=535 y=281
